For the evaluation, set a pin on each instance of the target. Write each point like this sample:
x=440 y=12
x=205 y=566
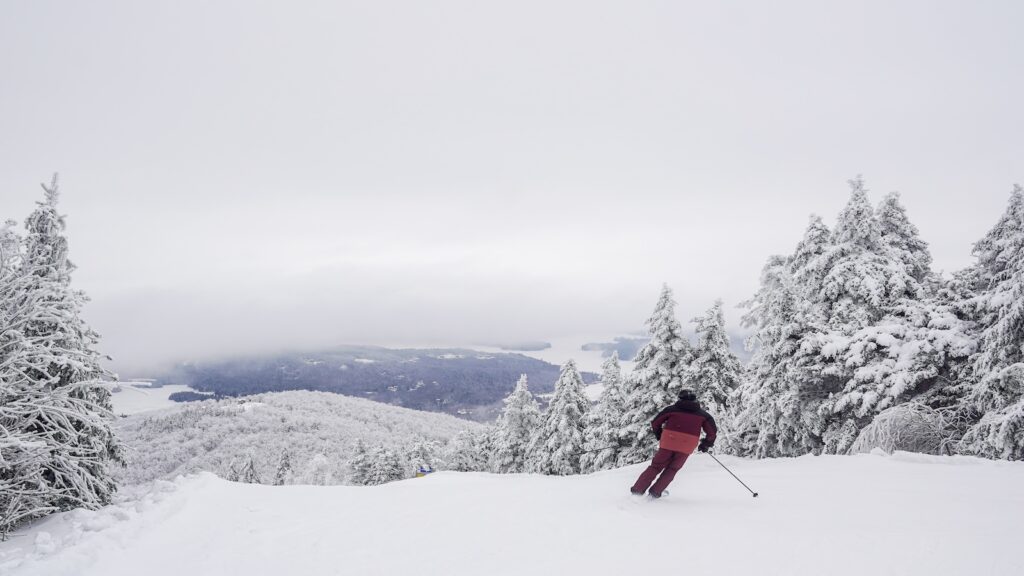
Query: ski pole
x=595 y=450
x=730 y=472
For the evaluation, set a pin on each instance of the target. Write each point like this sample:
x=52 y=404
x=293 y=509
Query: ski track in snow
x=868 y=514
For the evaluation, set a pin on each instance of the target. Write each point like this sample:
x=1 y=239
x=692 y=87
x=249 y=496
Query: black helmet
x=687 y=395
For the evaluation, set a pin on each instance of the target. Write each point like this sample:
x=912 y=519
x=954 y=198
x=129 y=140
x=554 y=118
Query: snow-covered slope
x=833 y=515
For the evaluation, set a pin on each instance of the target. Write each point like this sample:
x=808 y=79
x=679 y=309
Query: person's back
x=678 y=428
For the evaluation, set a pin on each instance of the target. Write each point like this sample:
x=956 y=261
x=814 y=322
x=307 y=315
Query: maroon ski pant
x=667 y=463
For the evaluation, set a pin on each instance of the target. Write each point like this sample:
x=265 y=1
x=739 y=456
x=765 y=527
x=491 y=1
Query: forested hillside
x=314 y=435
x=455 y=381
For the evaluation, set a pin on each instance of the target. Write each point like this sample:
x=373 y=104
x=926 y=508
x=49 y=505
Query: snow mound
x=865 y=514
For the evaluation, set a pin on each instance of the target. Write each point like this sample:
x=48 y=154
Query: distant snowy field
x=136 y=397
x=561 y=349
x=868 y=514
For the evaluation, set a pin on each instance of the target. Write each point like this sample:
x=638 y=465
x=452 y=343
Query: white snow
x=561 y=350
x=867 y=514
x=138 y=397
x=593 y=391
x=244 y=406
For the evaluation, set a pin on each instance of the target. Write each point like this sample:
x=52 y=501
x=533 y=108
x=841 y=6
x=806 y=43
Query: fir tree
x=810 y=262
x=249 y=474
x=284 y=469
x=62 y=339
x=996 y=402
x=234 y=473
x=856 y=285
x=54 y=408
x=846 y=327
x=10 y=247
x=516 y=426
x=778 y=411
x=715 y=372
x=862 y=283
x=484 y=445
x=464 y=452
x=605 y=420
x=902 y=239
x=657 y=378
x=385 y=466
x=770 y=415
x=912 y=340
x=422 y=454
x=359 y=465
x=556 y=447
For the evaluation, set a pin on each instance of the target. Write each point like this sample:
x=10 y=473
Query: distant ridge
x=457 y=381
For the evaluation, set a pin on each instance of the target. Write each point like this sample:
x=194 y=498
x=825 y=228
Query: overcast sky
x=243 y=176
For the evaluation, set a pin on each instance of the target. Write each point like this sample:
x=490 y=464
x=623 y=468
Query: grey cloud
x=255 y=175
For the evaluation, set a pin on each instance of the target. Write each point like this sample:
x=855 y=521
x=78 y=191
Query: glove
x=657 y=434
x=704 y=447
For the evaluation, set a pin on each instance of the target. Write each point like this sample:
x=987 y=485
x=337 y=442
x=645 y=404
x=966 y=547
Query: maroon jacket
x=686 y=416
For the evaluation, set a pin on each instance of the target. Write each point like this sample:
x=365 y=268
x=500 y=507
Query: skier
x=678 y=431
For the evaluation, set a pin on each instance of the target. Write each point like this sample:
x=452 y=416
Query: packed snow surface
x=866 y=514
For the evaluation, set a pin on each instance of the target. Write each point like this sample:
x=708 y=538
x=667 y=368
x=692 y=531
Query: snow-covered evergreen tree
x=463 y=453
x=844 y=285
x=485 y=444
x=902 y=238
x=54 y=408
x=515 y=428
x=61 y=350
x=910 y=340
x=359 y=465
x=659 y=374
x=284 y=469
x=234 y=472
x=604 y=425
x=809 y=306
x=249 y=474
x=809 y=263
x=911 y=353
x=10 y=247
x=386 y=466
x=997 y=398
x=856 y=286
x=422 y=454
x=715 y=372
x=848 y=326
x=20 y=458
x=556 y=447
x=774 y=413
